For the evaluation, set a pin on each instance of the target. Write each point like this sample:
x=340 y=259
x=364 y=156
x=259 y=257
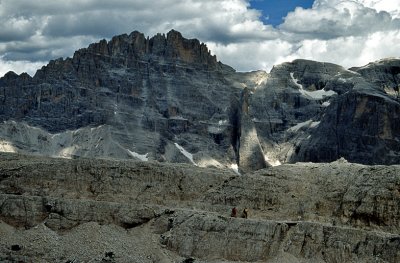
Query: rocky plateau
x=137 y=149
x=91 y=210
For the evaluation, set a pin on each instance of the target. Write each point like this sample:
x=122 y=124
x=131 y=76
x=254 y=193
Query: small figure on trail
x=234 y=212
x=245 y=213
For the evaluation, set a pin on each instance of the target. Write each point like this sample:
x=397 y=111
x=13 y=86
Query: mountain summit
x=166 y=98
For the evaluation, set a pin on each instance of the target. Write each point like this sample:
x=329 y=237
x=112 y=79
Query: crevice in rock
x=26 y=214
x=16 y=247
x=291 y=224
x=235 y=122
x=130 y=225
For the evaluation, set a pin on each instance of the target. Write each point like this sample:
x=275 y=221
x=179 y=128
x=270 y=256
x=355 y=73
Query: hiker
x=245 y=213
x=234 y=212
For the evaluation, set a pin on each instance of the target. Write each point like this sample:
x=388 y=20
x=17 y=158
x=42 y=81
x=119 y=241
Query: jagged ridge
x=168 y=98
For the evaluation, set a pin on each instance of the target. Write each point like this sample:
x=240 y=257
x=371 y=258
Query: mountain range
x=168 y=99
x=155 y=135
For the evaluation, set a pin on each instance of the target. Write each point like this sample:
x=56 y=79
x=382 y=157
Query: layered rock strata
x=146 y=212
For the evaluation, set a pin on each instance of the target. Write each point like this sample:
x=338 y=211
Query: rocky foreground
x=87 y=210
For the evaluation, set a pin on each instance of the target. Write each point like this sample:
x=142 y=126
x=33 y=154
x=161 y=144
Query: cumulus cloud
x=349 y=51
x=249 y=56
x=391 y=6
x=47 y=29
x=336 y=18
x=347 y=32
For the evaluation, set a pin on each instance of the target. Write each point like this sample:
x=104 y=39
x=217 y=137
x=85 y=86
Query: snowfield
x=312 y=95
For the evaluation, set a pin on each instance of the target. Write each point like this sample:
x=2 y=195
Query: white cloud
x=346 y=32
x=247 y=56
x=336 y=18
x=19 y=66
x=371 y=34
x=391 y=6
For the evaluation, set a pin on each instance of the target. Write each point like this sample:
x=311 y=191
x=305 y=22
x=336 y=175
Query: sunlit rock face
x=161 y=212
x=166 y=98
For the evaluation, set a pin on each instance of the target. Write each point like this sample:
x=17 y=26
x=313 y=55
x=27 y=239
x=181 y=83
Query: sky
x=245 y=34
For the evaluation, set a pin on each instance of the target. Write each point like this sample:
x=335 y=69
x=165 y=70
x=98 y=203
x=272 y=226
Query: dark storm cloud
x=16 y=28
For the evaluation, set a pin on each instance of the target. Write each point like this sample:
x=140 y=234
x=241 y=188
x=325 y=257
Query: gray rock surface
x=166 y=98
x=136 y=94
x=154 y=212
x=385 y=73
x=320 y=112
x=250 y=154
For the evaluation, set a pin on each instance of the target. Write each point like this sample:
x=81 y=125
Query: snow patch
x=142 y=157
x=312 y=95
x=219 y=127
x=235 y=168
x=271 y=161
x=308 y=124
x=353 y=72
x=186 y=153
x=300 y=125
x=314 y=124
x=343 y=80
x=207 y=161
x=68 y=152
x=7 y=147
x=295 y=81
x=178 y=118
x=326 y=104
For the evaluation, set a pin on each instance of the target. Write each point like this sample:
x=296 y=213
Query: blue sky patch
x=273 y=11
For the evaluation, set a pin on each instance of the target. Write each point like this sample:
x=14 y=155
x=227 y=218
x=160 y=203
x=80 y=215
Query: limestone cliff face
x=384 y=73
x=249 y=152
x=321 y=112
x=133 y=94
x=166 y=98
x=361 y=127
x=361 y=124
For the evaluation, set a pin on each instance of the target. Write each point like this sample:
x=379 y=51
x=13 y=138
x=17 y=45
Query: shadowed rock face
x=384 y=73
x=320 y=112
x=360 y=127
x=153 y=76
x=361 y=124
x=129 y=94
x=167 y=98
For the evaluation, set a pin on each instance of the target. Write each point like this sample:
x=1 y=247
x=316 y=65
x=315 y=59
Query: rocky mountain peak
x=173 y=47
x=167 y=98
x=188 y=50
x=11 y=77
